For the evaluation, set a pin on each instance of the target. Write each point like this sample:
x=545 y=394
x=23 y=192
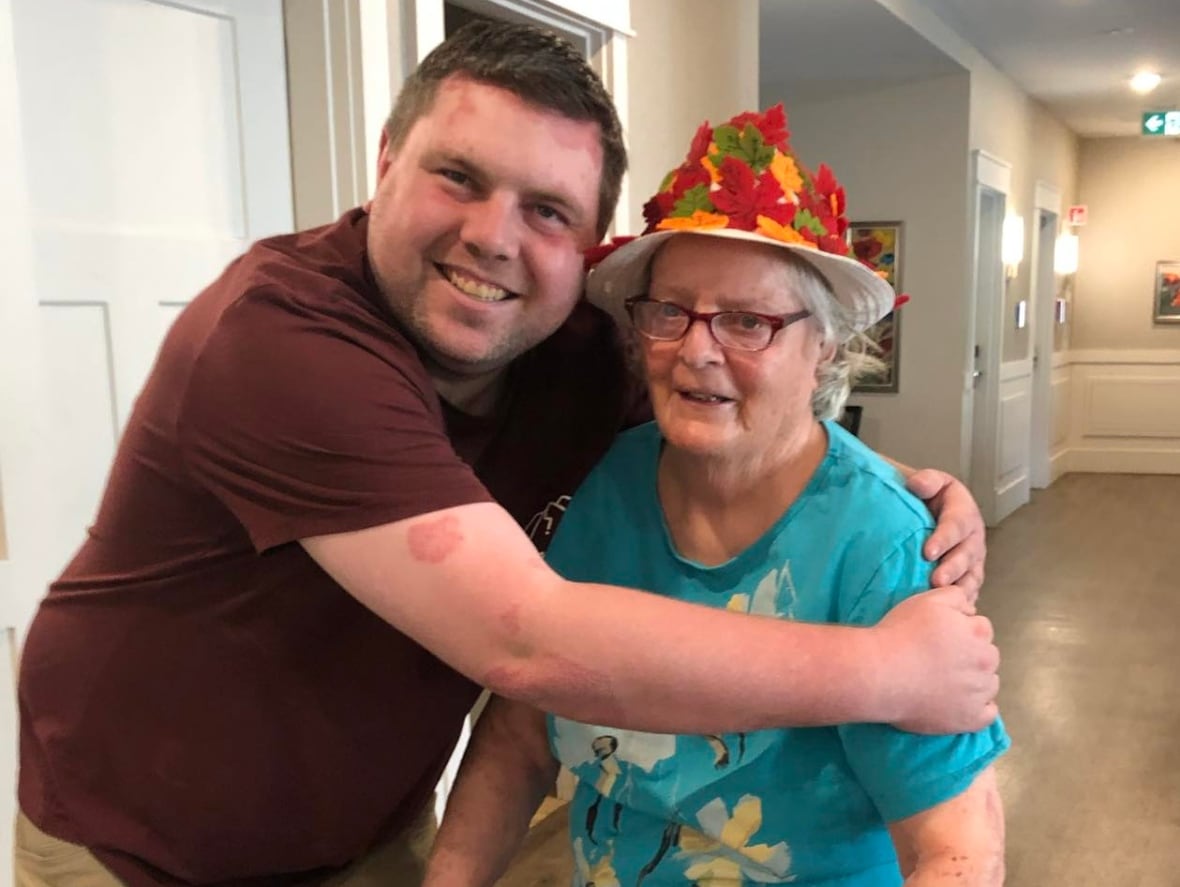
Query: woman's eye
x=748 y=322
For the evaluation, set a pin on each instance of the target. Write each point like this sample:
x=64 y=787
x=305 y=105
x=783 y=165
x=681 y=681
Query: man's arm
x=506 y=772
x=467 y=584
x=959 y=842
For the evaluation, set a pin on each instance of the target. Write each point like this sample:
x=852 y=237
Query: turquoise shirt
x=799 y=806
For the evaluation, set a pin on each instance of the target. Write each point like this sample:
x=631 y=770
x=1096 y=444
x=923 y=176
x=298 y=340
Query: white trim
x=1011 y=496
x=1123 y=461
x=1059 y=463
x=992 y=172
x=1061 y=359
x=1016 y=369
x=1108 y=356
x=1047 y=197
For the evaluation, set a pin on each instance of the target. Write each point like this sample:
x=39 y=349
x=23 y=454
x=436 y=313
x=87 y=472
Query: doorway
x=1048 y=207
x=991 y=186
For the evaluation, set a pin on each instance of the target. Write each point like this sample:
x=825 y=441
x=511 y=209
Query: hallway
x=1084 y=588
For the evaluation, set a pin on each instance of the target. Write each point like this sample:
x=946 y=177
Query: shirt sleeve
x=306 y=420
x=906 y=773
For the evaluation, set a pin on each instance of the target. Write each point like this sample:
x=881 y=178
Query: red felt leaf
x=743 y=197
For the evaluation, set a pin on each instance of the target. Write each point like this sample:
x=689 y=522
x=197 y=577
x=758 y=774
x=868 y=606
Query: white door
x=1043 y=317
x=151 y=143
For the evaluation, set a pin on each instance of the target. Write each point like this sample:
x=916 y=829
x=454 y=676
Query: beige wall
x=912 y=168
x=1009 y=125
x=1132 y=187
x=672 y=91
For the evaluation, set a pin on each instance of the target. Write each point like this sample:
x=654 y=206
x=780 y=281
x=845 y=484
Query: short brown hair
x=537 y=66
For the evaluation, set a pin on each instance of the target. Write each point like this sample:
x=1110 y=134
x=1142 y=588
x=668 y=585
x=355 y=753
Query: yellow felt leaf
x=713 y=172
x=786 y=173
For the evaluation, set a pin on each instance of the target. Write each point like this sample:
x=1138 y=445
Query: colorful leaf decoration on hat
x=596 y=254
x=699 y=219
x=744 y=172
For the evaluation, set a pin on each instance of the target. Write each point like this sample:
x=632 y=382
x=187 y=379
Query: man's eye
x=454 y=175
x=550 y=214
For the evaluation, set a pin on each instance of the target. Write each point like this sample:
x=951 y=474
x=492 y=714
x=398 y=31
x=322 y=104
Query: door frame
x=1047 y=204
x=989 y=174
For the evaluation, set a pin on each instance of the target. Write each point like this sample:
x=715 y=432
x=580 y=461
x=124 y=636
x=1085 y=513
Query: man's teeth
x=477 y=289
x=705 y=398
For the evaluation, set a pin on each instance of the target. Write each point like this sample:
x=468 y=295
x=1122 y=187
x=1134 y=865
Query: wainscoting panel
x=1125 y=412
x=1059 y=398
x=1013 y=460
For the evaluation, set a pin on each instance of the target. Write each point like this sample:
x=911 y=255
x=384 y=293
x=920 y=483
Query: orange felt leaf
x=768 y=227
x=699 y=219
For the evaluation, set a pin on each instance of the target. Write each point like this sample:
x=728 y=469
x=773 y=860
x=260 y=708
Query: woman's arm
x=959 y=842
x=506 y=772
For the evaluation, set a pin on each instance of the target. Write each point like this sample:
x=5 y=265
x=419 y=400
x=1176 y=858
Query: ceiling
x=1074 y=56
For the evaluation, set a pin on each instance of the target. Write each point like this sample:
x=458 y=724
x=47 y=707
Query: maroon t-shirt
x=199 y=701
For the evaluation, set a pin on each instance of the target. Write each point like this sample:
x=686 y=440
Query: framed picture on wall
x=1167 y=292
x=879 y=244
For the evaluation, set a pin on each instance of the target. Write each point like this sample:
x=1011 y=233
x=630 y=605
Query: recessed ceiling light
x=1145 y=81
x=1119 y=32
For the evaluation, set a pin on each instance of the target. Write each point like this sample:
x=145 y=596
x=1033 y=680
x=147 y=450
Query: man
x=309 y=553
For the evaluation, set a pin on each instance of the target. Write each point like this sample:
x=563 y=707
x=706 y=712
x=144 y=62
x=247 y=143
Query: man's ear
x=383 y=163
x=383 y=159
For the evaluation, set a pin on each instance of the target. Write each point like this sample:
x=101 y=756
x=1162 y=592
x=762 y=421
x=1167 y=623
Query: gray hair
x=851 y=358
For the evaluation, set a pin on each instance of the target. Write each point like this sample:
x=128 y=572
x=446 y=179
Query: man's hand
x=938 y=663
x=958 y=542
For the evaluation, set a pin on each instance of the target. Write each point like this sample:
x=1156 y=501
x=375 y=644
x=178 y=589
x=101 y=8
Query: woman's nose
x=698 y=347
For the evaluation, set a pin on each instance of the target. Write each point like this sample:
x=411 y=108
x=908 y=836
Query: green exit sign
x=1161 y=123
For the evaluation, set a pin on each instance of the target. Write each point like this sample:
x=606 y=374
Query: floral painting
x=1167 y=292
x=879 y=245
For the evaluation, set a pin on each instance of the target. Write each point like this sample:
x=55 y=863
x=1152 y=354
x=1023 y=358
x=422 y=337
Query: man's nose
x=491 y=228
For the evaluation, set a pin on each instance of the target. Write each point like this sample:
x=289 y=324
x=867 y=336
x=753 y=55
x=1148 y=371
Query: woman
x=746 y=495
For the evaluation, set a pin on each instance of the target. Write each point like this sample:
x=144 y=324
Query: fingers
x=956 y=598
x=927 y=483
x=954 y=531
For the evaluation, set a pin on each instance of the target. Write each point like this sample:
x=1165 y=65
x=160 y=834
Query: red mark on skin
x=510 y=619
x=559 y=684
x=433 y=541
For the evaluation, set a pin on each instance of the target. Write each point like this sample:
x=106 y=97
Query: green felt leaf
x=805 y=219
x=695 y=198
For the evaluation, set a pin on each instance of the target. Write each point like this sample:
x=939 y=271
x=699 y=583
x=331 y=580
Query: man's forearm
x=751 y=672
x=506 y=772
x=467 y=585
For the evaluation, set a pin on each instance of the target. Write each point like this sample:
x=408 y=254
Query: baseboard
x=1114 y=461
x=1011 y=496
x=1058 y=465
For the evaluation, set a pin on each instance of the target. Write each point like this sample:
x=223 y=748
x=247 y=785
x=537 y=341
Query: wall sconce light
x=1012 y=245
x=1065 y=254
x=1065 y=263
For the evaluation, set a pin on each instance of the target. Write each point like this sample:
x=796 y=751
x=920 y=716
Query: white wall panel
x=1132 y=406
x=1014 y=412
x=80 y=392
x=1125 y=412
